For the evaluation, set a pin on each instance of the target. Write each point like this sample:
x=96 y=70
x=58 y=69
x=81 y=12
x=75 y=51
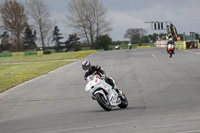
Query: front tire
x=170 y=53
x=124 y=102
x=105 y=104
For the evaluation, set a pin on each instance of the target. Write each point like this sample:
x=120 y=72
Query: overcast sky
x=125 y=14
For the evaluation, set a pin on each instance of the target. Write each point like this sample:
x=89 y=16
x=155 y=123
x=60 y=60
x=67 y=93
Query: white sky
x=125 y=14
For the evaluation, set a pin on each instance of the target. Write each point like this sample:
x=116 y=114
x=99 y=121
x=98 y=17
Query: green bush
x=103 y=42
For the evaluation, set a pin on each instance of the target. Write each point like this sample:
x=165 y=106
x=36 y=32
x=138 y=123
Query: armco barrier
x=180 y=45
x=161 y=43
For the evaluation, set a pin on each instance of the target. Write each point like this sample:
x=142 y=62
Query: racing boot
x=119 y=92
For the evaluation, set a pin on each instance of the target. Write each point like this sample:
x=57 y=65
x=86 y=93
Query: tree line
x=28 y=25
x=23 y=25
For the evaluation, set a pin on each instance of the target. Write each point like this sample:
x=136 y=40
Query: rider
x=170 y=42
x=129 y=45
x=89 y=70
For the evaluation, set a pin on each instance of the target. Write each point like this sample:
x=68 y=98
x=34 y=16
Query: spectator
x=158 y=38
x=129 y=45
x=178 y=39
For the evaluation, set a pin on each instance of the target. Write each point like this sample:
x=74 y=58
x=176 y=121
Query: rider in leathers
x=170 y=42
x=86 y=65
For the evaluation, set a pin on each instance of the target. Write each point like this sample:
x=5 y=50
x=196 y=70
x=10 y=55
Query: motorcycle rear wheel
x=103 y=102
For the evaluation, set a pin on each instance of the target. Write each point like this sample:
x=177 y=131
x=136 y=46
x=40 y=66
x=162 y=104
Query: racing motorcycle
x=103 y=93
x=170 y=49
x=117 y=47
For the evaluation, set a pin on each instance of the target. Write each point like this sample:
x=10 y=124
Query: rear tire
x=124 y=102
x=103 y=102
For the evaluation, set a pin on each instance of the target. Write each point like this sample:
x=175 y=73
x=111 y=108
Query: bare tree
x=102 y=24
x=40 y=15
x=89 y=18
x=14 y=20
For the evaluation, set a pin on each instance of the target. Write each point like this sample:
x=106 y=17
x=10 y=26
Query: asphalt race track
x=163 y=95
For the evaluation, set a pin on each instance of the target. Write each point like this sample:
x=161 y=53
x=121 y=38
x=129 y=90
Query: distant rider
x=129 y=45
x=89 y=70
x=170 y=42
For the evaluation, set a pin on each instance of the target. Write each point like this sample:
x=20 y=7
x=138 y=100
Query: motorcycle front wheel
x=170 y=53
x=104 y=103
x=124 y=102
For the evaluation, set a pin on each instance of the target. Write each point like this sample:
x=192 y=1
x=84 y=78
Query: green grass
x=50 y=57
x=14 y=74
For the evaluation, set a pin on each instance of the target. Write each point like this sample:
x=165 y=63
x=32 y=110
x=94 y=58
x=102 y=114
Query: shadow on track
x=119 y=109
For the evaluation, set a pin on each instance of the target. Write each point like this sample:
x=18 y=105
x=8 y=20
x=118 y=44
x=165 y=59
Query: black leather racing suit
x=97 y=69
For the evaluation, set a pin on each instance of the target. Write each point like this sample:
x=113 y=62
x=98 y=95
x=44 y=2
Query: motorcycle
x=129 y=45
x=103 y=93
x=170 y=49
x=117 y=47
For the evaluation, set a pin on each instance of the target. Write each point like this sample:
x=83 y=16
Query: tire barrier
x=21 y=54
x=5 y=54
x=30 y=53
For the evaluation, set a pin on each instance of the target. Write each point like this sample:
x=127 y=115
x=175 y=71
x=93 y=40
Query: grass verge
x=50 y=57
x=12 y=75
